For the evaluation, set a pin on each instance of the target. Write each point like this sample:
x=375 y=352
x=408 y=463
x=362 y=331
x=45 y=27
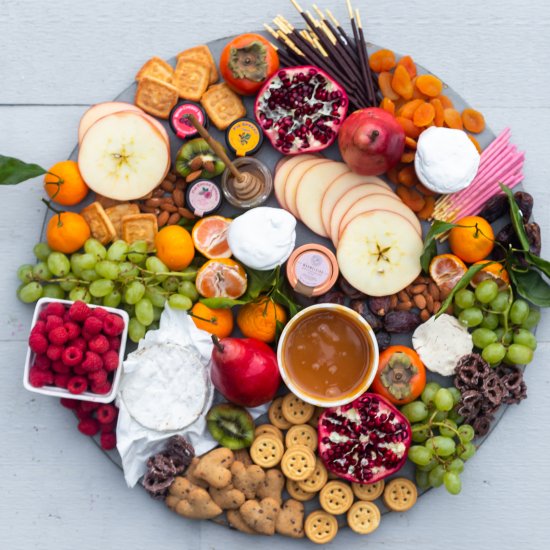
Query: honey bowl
x=327 y=355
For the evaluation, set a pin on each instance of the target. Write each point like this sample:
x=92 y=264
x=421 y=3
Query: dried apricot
x=411 y=197
x=429 y=84
x=409 y=64
x=424 y=115
x=408 y=109
x=473 y=121
x=424 y=190
x=408 y=157
x=410 y=129
x=446 y=102
x=453 y=119
x=428 y=208
x=410 y=143
x=407 y=176
x=401 y=82
x=382 y=60
x=388 y=105
x=384 y=81
x=392 y=174
x=417 y=94
x=439 y=117
x=476 y=143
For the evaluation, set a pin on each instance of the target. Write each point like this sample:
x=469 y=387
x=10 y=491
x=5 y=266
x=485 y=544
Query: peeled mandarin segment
x=388 y=105
x=473 y=121
x=407 y=177
x=385 y=83
x=409 y=64
x=382 y=60
x=408 y=110
x=439 y=116
x=424 y=115
x=453 y=119
x=476 y=143
x=408 y=126
x=429 y=85
x=412 y=198
x=446 y=102
x=401 y=82
x=428 y=209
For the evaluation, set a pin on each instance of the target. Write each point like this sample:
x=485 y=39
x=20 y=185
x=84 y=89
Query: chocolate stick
x=365 y=66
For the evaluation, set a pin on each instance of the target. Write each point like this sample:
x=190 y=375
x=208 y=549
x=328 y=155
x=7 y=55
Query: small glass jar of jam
x=312 y=270
x=248 y=197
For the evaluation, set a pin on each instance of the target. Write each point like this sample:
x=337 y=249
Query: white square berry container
x=54 y=391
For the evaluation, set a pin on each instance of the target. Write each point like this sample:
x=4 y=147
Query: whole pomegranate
x=371 y=141
x=365 y=440
x=301 y=109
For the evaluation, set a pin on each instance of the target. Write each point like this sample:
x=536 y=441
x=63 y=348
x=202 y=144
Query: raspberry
x=66 y=317
x=61 y=380
x=39 y=327
x=108 y=428
x=43 y=315
x=92 y=362
x=106 y=414
x=88 y=426
x=88 y=406
x=79 y=311
x=71 y=356
x=98 y=377
x=92 y=325
x=108 y=441
x=80 y=343
x=38 y=343
x=77 y=384
x=114 y=343
x=55 y=308
x=54 y=352
x=87 y=335
x=73 y=330
x=58 y=336
x=53 y=321
x=60 y=368
x=99 y=312
x=82 y=415
x=42 y=362
x=78 y=370
x=110 y=360
x=101 y=389
x=98 y=344
x=69 y=403
x=113 y=325
x=39 y=378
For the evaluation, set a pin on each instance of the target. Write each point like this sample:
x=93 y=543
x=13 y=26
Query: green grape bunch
x=120 y=276
x=442 y=442
x=501 y=325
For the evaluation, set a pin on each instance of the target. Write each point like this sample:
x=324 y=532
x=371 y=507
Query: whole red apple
x=245 y=371
x=371 y=141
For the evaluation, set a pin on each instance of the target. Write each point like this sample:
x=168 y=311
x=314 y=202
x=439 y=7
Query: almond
x=157 y=193
x=403 y=296
x=404 y=306
x=167 y=207
x=167 y=185
x=195 y=164
x=418 y=289
x=179 y=198
x=419 y=301
x=393 y=301
x=429 y=303
x=162 y=218
x=193 y=176
x=148 y=209
x=424 y=314
x=185 y=213
x=155 y=202
x=174 y=218
x=434 y=291
x=171 y=176
x=209 y=166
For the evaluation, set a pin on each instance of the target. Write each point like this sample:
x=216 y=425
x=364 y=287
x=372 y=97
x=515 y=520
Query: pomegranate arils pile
x=301 y=109
x=364 y=441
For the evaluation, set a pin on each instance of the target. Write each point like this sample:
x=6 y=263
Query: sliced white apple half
x=310 y=191
x=123 y=156
x=282 y=169
x=379 y=253
x=99 y=110
x=348 y=200
x=380 y=202
x=338 y=188
x=293 y=180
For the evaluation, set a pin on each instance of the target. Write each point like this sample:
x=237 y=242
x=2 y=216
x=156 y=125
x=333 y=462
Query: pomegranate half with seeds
x=365 y=440
x=301 y=109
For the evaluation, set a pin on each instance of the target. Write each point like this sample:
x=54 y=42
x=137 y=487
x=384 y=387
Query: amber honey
x=328 y=354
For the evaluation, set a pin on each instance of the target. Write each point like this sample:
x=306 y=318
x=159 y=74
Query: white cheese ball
x=441 y=342
x=446 y=161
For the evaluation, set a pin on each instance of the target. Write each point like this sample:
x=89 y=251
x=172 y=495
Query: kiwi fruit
x=231 y=426
x=196 y=154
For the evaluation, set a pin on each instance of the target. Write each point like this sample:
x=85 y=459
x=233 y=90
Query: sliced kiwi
x=196 y=154
x=231 y=426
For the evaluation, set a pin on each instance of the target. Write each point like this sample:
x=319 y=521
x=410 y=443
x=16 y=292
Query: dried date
x=533 y=235
x=332 y=297
x=361 y=307
x=401 y=321
x=495 y=208
x=383 y=339
x=379 y=305
x=525 y=204
x=348 y=290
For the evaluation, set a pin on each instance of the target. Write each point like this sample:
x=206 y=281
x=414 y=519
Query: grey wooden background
x=58 y=491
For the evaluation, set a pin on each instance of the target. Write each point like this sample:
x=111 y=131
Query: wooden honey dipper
x=246 y=184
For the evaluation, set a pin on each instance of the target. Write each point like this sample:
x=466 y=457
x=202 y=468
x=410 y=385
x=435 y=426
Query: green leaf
x=463 y=283
x=532 y=287
x=259 y=282
x=222 y=303
x=517 y=217
x=540 y=263
x=430 y=247
x=282 y=299
x=13 y=171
